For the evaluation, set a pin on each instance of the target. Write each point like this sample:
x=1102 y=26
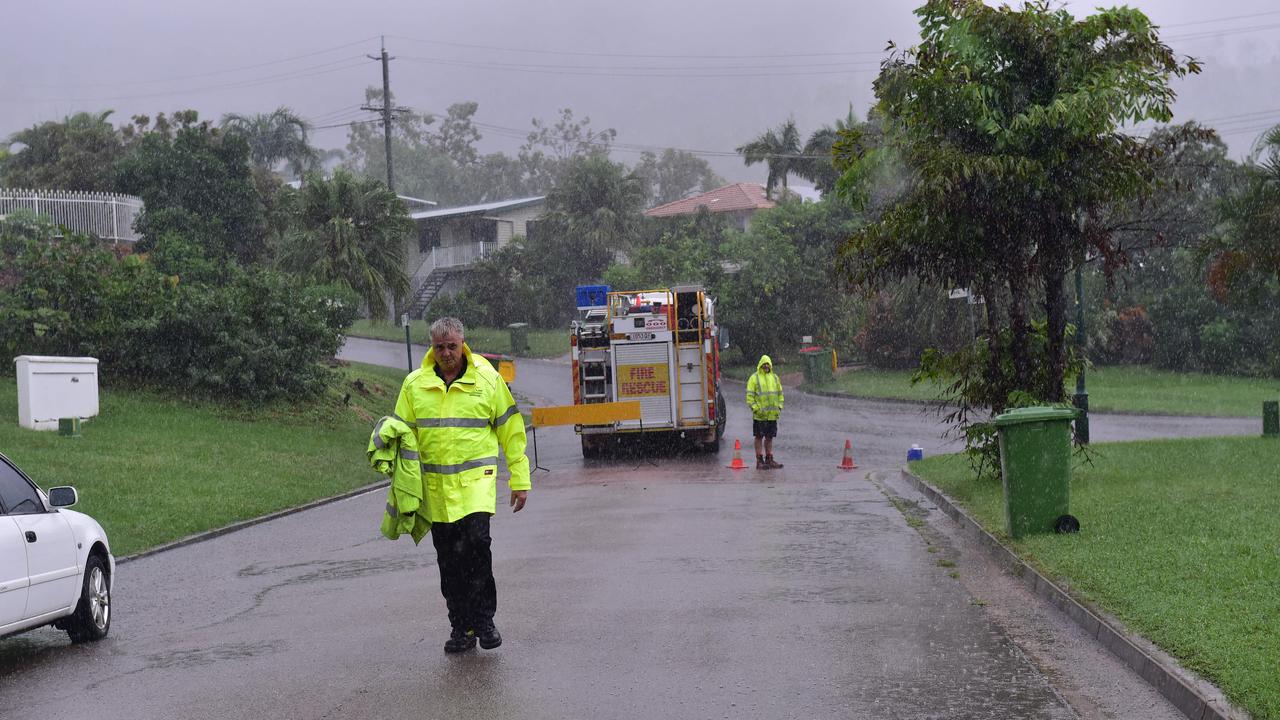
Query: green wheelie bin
x=1035 y=464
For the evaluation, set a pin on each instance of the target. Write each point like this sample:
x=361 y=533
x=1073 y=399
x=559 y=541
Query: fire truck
x=658 y=347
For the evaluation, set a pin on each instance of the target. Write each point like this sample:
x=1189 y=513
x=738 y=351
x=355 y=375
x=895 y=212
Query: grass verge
x=1180 y=540
x=152 y=469
x=1111 y=389
x=542 y=343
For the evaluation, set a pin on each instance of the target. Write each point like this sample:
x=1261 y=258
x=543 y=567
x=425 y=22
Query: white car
x=55 y=564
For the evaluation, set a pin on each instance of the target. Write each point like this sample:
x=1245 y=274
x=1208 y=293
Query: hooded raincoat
x=459 y=431
x=764 y=392
x=393 y=450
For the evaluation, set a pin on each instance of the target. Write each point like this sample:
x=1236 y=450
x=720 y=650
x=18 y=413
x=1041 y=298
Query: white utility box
x=55 y=387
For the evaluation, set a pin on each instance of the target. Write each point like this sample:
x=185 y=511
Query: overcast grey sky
x=705 y=75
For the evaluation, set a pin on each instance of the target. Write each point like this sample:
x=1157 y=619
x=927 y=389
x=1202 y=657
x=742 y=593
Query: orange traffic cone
x=847 y=462
x=737 y=463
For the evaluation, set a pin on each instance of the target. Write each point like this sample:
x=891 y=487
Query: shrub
x=1128 y=338
x=466 y=305
x=258 y=335
x=1219 y=346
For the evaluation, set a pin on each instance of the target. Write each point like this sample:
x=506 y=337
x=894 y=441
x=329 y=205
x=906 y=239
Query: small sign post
x=408 y=344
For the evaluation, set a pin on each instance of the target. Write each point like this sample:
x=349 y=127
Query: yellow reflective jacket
x=393 y=450
x=764 y=392
x=459 y=431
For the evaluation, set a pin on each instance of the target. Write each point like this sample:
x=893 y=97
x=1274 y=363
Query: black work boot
x=760 y=464
x=489 y=637
x=771 y=463
x=460 y=641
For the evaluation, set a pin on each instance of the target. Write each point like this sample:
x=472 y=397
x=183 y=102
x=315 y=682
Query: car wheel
x=590 y=448
x=92 y=618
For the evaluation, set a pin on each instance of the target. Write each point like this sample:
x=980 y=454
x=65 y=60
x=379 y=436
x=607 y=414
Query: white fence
x=450 y=257
x=105 y=215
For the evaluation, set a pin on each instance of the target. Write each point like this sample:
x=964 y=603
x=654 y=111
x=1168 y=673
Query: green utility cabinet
x=1035 y=463
x=519 y=338
x=817 y=364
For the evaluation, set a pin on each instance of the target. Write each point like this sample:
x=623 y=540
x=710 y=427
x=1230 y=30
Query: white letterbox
x=55 y=387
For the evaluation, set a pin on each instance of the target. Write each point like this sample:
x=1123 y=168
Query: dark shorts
x=764 y=428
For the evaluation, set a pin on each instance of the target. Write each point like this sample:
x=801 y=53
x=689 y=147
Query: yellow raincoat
x=459 y=431
x=764 y=392
x=393 y=450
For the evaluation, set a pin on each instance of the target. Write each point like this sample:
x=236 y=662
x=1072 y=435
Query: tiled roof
x=738 y=196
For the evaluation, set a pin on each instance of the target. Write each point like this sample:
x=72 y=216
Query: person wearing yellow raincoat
x=764 y=397
x=462 y=412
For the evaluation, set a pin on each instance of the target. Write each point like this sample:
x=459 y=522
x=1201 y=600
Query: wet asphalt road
x=650 y=585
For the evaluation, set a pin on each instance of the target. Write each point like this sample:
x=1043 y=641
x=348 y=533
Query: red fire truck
x=658 y=347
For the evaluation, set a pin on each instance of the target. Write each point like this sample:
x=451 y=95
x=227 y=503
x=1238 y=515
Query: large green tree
x=1004 y=138
x=675 y=174
x=786 y=285
x=349 y=231
x=275 y=138
x=77 y=153
x=196 y=181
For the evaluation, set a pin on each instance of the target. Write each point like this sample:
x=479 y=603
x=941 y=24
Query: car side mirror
x=724 y=337
x=63 y=496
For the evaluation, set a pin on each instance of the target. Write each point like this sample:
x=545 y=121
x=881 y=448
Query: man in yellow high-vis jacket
x=462 y=412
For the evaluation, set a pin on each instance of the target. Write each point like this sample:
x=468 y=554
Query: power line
x=291 y=75
x=347 y=124
x=1209 y=21
x=672 y=68
x=179 y=78
x=658 y=72
x=634 y=56
x=1220 y=33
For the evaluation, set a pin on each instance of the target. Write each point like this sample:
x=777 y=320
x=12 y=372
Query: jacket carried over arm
x=393 y=450
x=764 y=392
x=459 y=431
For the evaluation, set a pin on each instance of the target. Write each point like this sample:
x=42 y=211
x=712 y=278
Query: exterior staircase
x=427 y=291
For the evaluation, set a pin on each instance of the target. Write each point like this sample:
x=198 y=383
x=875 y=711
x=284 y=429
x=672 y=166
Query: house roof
x=738 y=196
x=481 y=209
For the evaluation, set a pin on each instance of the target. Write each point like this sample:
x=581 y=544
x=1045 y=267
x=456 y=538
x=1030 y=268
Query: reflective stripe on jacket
x=393 y=450
x=764 y=392
x=459 y=431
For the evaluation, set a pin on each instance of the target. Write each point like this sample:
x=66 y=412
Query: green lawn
x=153 y=469
x=542 y=343
x=1180 y=540
x=1111 y=389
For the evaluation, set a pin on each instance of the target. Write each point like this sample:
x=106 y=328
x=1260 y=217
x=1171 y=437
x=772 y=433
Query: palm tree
x=350 y=231
x=817 y=164
x=779 y=150
x=275 y=137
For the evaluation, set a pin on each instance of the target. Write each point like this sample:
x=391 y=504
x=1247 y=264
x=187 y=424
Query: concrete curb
x=1194 y=697
x=218 y=532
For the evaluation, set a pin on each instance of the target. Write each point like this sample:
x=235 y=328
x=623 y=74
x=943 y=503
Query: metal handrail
x=454 y=256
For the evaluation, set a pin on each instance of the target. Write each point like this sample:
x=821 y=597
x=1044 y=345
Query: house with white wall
x=449 y=240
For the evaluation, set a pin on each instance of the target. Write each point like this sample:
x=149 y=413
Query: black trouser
x=466 y=571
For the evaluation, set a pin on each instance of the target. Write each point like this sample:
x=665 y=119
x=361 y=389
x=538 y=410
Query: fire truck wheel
x=590 y=448
x=720 y=416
